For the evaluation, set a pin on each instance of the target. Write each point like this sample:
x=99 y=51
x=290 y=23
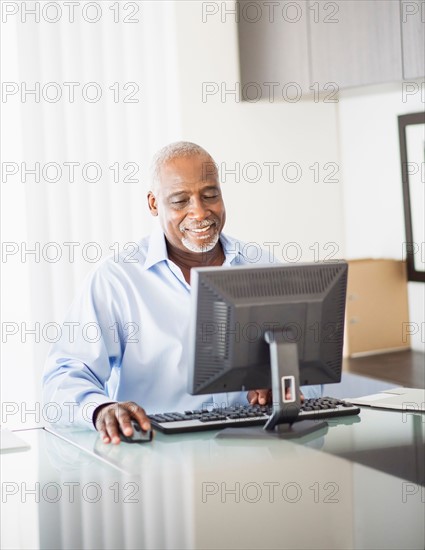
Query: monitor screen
x=238 y=311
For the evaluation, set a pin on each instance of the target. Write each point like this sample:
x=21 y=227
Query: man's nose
x=198 y=211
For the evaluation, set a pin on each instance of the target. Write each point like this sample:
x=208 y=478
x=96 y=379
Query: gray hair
x=178 y=149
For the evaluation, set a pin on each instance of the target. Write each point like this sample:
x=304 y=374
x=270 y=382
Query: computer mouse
x=139 y=435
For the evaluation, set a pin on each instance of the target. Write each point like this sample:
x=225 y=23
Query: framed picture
x=411 y=129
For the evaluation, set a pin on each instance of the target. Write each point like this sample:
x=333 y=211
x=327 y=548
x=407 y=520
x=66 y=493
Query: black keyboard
x=245 y=415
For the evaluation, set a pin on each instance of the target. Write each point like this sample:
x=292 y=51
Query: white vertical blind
x=127 y=62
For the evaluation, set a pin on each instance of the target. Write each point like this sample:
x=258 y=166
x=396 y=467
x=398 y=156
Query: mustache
x=201 y=225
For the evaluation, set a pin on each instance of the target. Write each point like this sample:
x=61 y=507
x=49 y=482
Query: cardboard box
x=377 y=307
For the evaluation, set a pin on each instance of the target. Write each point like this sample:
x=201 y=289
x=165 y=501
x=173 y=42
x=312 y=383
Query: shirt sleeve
x=80 y=363
x=312 y=391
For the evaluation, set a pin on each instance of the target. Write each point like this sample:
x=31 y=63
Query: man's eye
x=211 y=196
x=179 y=202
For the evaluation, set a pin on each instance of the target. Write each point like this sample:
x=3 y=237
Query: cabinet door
x=413 y=37
x=357 y=43
x=273 y=48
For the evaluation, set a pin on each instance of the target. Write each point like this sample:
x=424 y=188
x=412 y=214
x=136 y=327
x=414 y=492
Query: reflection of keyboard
x=247 y=415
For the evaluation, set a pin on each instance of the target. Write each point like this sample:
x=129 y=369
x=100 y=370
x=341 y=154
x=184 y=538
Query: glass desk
x=360 y=484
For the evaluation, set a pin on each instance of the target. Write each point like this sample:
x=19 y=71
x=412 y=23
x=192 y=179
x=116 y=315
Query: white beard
x=201 y=247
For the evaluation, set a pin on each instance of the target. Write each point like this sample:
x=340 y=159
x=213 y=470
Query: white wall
x=362 y=213
x=372 y=190
x=304 y=133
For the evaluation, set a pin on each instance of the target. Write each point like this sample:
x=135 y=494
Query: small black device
x=139 y=435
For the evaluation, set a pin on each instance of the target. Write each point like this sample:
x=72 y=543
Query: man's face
x=189 y=204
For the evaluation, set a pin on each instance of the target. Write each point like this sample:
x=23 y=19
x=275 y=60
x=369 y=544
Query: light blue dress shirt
x=124 y=338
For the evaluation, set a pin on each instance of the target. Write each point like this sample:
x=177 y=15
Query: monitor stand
x=284 y=421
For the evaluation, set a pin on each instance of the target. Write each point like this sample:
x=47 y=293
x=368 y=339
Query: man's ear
x=152 y=204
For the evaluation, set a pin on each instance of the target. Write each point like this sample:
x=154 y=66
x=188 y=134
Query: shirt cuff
x=87 y=407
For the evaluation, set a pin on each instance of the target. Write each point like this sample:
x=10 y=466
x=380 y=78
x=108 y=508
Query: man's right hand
x=115 y=417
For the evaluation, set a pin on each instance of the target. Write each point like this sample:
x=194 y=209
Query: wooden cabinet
x=314 y=43
x=273 y=46
x=413 y=38
x=363 y=45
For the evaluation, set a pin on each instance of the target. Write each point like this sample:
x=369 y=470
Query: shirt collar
x=157 y=248
x=231 y=249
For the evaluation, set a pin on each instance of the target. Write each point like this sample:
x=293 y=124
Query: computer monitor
x=270 y=326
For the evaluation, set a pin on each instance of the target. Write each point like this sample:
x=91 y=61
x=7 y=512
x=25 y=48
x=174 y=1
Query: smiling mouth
x=200 y=233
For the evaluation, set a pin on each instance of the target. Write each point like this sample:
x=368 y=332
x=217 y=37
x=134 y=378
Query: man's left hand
x=264 y=397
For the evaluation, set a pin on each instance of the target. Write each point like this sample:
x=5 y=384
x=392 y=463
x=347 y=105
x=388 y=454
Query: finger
x=102 y=421
x=142 y=419
x=269 y=397
x=263 y=396
x=124 y=420
x=101 y=428
x=288 y=395
x=111 y=426
x=137 y=413
x=252 y=397
x=124 y=414
x=104 y=435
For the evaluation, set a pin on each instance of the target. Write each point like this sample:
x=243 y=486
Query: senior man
x=140 y=305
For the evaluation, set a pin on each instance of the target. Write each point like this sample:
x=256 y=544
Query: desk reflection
x=199 y=491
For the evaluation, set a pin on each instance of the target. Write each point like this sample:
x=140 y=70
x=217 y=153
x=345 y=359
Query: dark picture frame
x=413 y=243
